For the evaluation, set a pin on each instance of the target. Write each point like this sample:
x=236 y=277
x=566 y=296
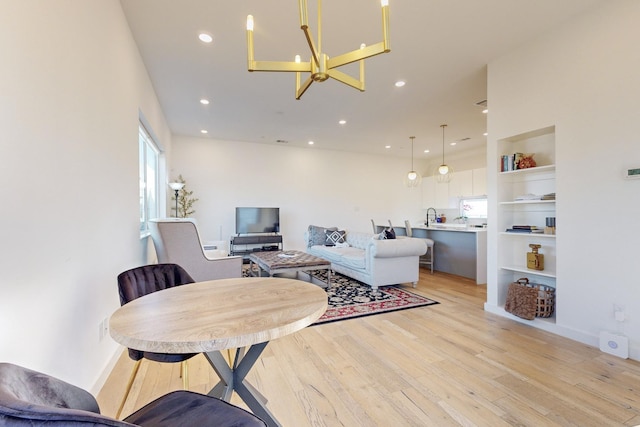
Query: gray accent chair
x=177 y=241
x=30 y=398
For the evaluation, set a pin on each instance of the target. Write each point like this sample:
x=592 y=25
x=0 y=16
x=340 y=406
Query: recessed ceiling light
x=204 y=131
x=387 y=146
x=400 y=83
x=426 y=151
x=204 y=101
x=485 y=111
x=206 y=38
x=486 y=133
x=453 y=143
x=342 y=122
x=311 y=142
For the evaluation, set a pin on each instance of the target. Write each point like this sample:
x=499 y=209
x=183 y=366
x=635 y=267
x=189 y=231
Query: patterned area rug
x=349 y=298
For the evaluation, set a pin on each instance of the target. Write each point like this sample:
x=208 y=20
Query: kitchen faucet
x=435 y=215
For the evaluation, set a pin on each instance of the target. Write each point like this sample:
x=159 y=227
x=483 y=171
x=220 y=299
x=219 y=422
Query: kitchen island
x=458 y=249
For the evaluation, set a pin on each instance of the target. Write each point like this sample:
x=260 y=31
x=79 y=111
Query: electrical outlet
x=103 y=328
x=100 y=331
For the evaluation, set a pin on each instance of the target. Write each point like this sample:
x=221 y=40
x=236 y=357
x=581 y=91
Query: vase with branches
x=185 y=200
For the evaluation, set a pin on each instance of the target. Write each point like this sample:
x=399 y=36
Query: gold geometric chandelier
x=320 y=66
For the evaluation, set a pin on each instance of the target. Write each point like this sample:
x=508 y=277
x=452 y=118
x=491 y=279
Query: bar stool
x=399 y=230
x=426 y=259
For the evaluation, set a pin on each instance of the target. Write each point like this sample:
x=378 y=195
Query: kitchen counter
x=452 y=227
x=458 y=249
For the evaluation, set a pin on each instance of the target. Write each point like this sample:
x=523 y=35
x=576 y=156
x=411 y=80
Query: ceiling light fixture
x=400 y=83
x=206 y=38
x=444 y=172
x=204 y=101
x=413 y=178
x=320 y=66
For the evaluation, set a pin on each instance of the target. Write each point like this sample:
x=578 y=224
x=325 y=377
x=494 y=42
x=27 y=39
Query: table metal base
x=232 y=378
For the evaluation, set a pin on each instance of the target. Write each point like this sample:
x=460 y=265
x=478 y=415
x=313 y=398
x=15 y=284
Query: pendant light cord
x=412 y=138
x=443 y=126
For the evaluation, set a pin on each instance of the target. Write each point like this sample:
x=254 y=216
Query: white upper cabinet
x=479 y=182
x=461 y=184
x=465 y=183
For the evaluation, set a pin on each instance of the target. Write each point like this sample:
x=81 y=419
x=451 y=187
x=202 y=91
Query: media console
x=246 y=244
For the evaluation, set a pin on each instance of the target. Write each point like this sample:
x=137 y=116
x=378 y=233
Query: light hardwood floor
x=450 y=364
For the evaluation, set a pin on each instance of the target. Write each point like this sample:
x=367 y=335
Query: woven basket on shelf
x=546 y=300
x=530 y=300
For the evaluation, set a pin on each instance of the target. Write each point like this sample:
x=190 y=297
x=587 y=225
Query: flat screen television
x=257 y=220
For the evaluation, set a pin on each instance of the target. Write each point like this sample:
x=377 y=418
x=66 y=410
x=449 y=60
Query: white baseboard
x=111 y=363
x=590 y=339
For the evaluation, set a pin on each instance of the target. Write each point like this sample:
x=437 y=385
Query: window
x=149 y=158
x=474 y=208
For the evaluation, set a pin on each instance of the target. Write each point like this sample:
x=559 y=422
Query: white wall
x=311 y=186
x=583 y=79
x=71 y=86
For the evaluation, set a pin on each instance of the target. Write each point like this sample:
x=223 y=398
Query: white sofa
x=368 y=259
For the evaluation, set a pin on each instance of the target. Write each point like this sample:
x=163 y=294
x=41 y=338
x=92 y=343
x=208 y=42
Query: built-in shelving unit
x=511 y=185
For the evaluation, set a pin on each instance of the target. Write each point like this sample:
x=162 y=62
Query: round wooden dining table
x=208 y=317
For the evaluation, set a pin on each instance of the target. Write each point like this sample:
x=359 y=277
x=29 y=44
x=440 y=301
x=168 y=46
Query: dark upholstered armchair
x=29 y=398
x=141 y=281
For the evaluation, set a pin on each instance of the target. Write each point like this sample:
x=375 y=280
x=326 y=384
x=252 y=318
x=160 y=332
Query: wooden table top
x=217 y=314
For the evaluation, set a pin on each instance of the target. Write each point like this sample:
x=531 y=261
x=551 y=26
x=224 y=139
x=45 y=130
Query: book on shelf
x=525 y=229
x=528 y=197
x=550 y=196
x=509 y=162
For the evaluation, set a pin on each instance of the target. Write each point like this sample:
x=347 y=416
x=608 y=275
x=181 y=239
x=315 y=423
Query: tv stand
x=247 y=243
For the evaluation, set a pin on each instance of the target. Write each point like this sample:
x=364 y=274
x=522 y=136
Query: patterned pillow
x=390 y=233
x=387 y=233
x=334 y=236
x=316 y=235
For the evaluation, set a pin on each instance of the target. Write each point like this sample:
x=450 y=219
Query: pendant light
x=413 y=178
x=443 y=172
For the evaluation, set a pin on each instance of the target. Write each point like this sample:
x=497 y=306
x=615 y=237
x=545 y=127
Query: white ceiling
x=439 y=47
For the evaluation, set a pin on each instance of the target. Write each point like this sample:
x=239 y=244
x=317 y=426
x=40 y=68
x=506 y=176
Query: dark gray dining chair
x=29 y=398
x=141 y=281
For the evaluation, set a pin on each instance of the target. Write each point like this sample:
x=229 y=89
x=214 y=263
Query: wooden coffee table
x=273 y=262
